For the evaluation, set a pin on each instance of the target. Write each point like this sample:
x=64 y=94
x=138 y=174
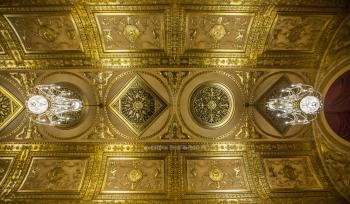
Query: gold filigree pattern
x=136 y=31
x=205 y=175
x=56 y=175
x=291 y=32
x=213 y=31
x=174 y=79
x=134 y=175
x=42 y=33
x=138 y=105
x=10 y=107
x=175 y=131
x=290 y=173
x=211 y=105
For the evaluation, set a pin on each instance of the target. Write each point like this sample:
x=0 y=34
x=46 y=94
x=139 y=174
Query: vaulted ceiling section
x=173 y=56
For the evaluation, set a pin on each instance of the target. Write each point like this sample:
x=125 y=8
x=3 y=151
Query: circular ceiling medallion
x=207 y=105
x=211 y=104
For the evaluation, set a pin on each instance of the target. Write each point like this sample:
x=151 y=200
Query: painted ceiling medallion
x=218 y=31
x=10 y=107
x=211 y=105
x=215 y=174
x=135 y=175
x=138 y=105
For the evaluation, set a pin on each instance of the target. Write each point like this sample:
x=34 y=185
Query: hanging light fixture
x=297 y=104
x=54 y=105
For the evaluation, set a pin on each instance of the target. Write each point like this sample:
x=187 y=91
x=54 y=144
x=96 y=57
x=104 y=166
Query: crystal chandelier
x=297 y=104
x=54 y=105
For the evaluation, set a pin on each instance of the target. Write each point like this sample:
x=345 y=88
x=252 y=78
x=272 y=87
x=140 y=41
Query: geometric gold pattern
x=138 y=105
x=10 y=107
x=42 y=33
x=290 y=173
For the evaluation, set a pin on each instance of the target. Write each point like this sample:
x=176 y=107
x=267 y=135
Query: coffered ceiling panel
x=45 y=32
x=290 y=174
x=131 y=31
x=217 y=31
x=56 y=175
x=293 y=32
x=146 y=175
x=216 y=175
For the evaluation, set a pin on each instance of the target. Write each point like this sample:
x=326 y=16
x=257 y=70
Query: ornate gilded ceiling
x=175 y=94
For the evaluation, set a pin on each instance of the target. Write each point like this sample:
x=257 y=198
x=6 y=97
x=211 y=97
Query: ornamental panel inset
x=134 y=175
x=295 y=173
x=46 y=32
x=216 y=175
x=291 y=32
x=138 y=105
x=131 y=31
x=218 y=31
x=5 y=164
x=270 y=116
x=54 y=175
x=10 y=107
x=211 y=105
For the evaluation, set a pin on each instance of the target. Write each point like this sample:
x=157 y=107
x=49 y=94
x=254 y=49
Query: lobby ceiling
x=201 y=73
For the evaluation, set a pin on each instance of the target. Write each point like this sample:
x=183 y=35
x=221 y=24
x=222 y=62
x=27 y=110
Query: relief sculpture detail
x=297 y=32
x=134 y=175
x=42 y=33
x=290 y=173
x=122 y=32
x=216 y=175
x=54 y=175
x=217 y=31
